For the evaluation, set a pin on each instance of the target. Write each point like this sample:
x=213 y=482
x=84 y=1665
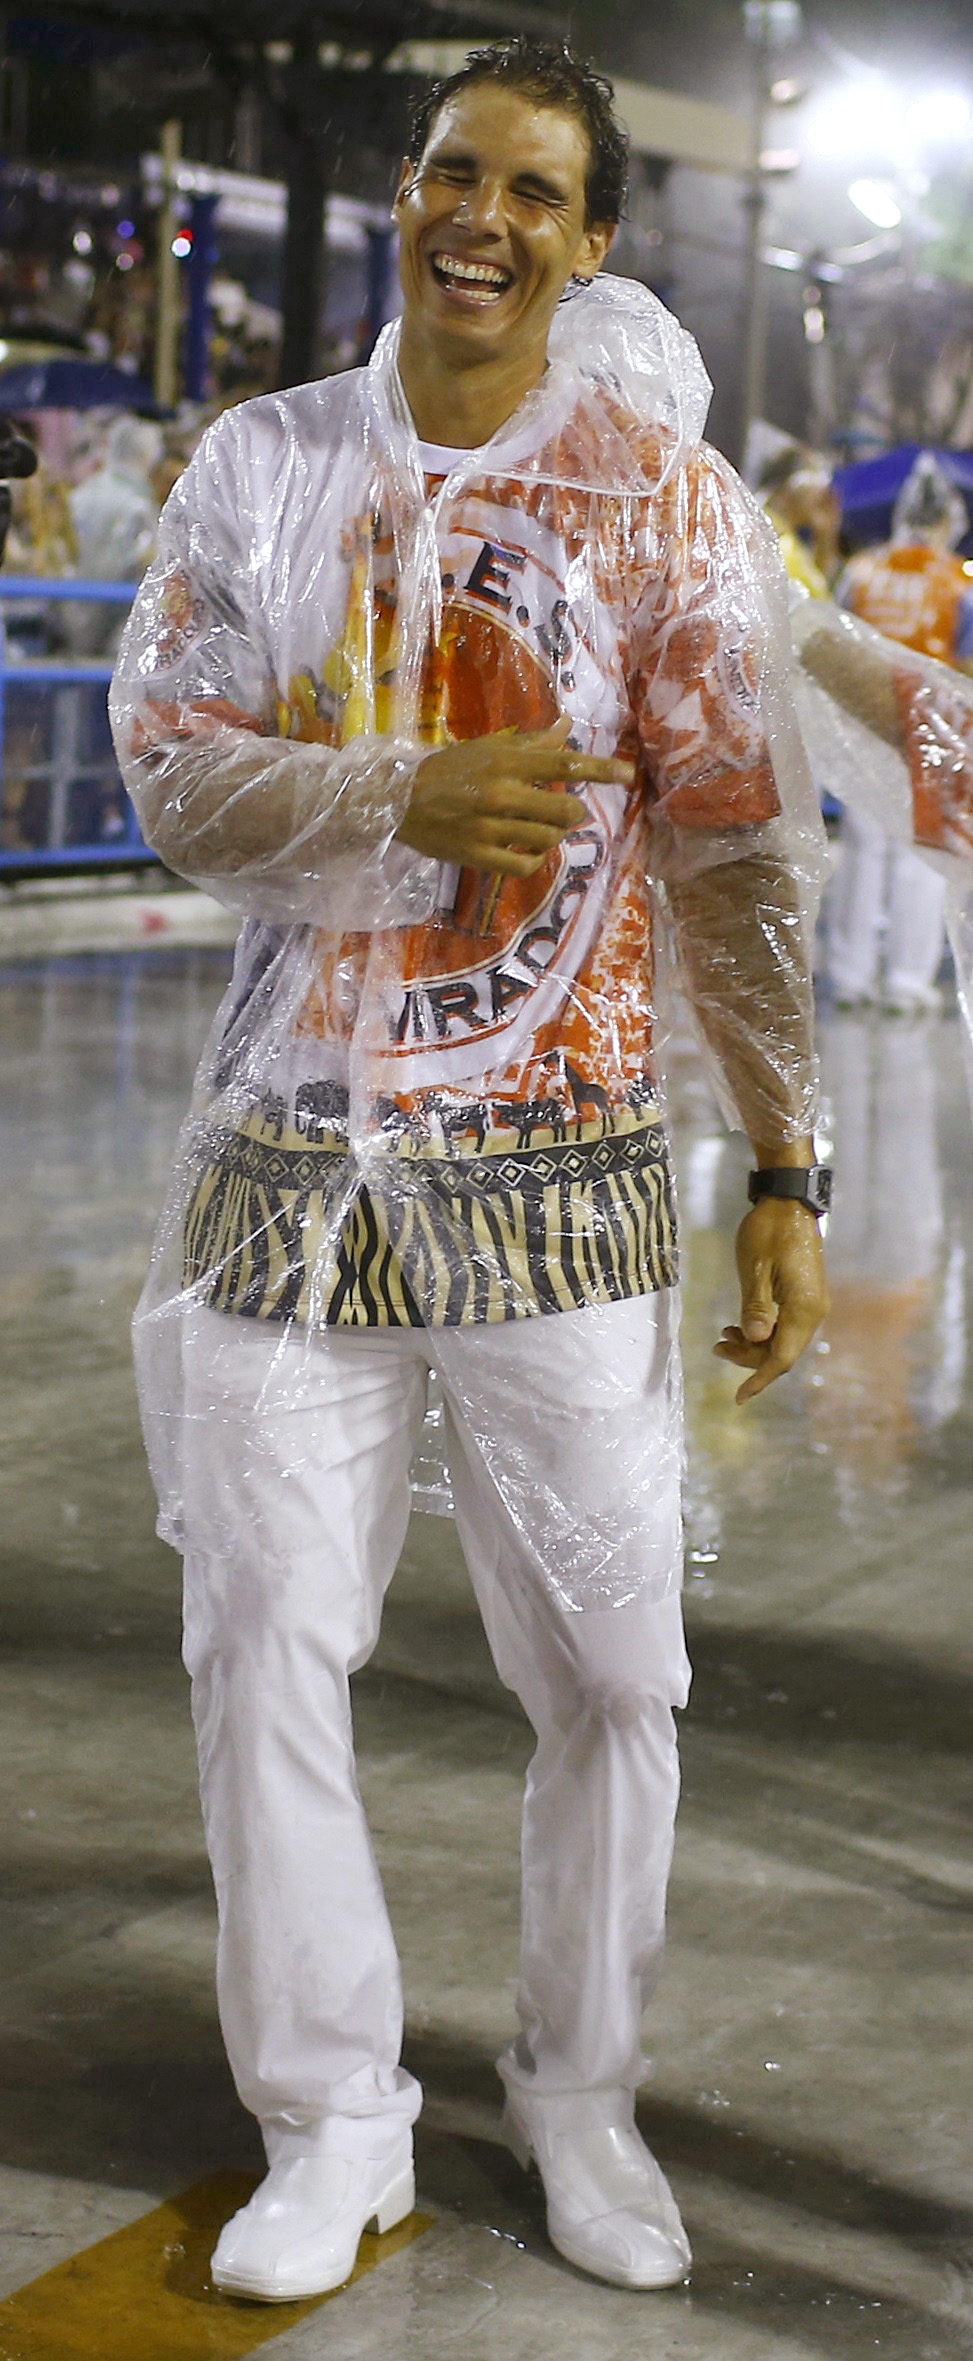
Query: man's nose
x=481 y=208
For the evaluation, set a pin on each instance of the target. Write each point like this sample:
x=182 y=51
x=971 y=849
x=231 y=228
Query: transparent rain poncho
x=890 y=732
x=433 y=1098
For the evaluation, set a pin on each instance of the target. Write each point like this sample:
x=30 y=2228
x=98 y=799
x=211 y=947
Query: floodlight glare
x=779 y=159
x=939 y=116
x=863 y=118
x=876 y=200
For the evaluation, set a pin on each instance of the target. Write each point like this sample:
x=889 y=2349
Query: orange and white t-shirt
x=916 y=594
x=508 y=1038
x=923 y=598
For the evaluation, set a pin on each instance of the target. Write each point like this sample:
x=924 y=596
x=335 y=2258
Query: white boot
x=299 y=2234
x=610 y=2209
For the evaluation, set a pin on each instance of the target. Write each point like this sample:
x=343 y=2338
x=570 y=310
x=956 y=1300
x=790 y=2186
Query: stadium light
x=867 y=116
x=864 y=116
x=939 y=117
x=877 y=201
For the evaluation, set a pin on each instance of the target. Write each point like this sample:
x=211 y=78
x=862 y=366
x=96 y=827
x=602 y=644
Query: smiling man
x=452 y=675
x=496 y=212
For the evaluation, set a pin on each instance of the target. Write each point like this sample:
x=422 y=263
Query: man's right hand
x=482 y=802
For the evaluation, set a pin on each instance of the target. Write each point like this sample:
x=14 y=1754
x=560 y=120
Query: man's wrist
x=777 y=1155
x=808 y=1185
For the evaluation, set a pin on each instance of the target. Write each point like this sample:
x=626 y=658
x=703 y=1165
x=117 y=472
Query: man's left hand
x=783 y=1291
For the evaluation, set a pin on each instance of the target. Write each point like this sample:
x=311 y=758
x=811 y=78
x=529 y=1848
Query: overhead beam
x=659 y=122
x=684 y=130
x=357 y=23
x=487 y=17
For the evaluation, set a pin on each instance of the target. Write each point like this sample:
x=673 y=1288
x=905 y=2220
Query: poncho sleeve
x=737 y=844
x=276 y=828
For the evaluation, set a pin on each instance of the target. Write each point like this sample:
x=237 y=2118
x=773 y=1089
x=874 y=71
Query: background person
x=886 y=910
x=115 y=514
x=799 y=497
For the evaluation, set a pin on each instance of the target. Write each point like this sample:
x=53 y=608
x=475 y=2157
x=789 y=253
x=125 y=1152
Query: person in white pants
x=357 y=694
x=886 y=922
x=886 y=913
x=308 y=1977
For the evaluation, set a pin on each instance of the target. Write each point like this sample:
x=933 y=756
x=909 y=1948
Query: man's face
x=492 y=223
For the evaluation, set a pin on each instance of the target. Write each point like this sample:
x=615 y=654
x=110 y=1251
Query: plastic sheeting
x=891 y=734
x=435 y=1096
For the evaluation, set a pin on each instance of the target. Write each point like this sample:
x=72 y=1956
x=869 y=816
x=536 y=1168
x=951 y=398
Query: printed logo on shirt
x=480 y=998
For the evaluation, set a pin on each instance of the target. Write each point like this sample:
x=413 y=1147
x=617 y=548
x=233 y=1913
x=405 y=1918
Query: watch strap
x=806 y=1184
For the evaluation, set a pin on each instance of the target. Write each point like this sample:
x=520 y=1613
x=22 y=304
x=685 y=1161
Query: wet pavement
x=811 y=2092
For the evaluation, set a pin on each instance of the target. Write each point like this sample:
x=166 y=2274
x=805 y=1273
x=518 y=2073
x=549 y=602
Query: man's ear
x=595 y=244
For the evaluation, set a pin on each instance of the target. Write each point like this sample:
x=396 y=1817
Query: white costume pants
x=882 y=881
x=297 y=1500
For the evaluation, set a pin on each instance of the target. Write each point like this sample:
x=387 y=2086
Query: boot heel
x=398 y=2201
x=519 y=2146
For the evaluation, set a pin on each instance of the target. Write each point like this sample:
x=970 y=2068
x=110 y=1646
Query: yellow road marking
x=144 y=2293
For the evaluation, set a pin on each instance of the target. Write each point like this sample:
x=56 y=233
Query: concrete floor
x=811 y=2096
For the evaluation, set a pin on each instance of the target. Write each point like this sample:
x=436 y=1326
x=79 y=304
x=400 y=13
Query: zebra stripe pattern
x=278 y=1230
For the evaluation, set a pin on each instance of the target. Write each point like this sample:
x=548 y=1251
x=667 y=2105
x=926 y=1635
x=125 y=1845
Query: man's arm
x=740 y=932
x=279 y=827
x=741 y=937
x=218 y=797
x=739 y=870
x=292 y=827
x=917 y=707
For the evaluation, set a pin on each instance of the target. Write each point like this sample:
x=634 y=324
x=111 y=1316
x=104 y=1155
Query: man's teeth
x=471 y=274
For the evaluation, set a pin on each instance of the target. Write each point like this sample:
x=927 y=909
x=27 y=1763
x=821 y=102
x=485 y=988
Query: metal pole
x=167 y=273
x=755 y=269
x=304 y=272
x=378 y=272
x=200 y=268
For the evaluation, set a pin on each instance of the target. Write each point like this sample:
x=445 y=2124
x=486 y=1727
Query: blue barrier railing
x=57 y=783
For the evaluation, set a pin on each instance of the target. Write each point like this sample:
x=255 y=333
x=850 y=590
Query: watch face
x=820 y=1182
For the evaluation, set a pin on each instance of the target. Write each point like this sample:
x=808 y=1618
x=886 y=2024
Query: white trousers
x=881 y=881
x=297 y=1500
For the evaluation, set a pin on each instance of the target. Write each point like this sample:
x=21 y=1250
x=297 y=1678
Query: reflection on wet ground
x=885 y=1393
x=810 y=2091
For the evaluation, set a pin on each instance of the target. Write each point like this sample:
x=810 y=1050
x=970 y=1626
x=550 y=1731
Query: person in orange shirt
x=916 y=591
x=914 y=588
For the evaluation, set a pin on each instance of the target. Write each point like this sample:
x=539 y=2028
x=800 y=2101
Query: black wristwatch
x=808 y=1184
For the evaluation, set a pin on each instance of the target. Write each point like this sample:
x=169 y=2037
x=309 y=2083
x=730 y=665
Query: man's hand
x=482 y=802
x=783 y=1291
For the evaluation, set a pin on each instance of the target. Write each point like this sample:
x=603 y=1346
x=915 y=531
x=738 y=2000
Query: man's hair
x=555 y=78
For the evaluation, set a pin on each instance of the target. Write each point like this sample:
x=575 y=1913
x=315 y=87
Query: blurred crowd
x=93 y=506
x=884 y=921
x=90 y=513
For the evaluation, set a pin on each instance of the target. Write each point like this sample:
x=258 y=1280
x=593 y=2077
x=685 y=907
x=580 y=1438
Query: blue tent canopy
x=868 y=491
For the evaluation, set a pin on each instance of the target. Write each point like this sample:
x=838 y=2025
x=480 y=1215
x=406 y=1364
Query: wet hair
x=553 y=76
